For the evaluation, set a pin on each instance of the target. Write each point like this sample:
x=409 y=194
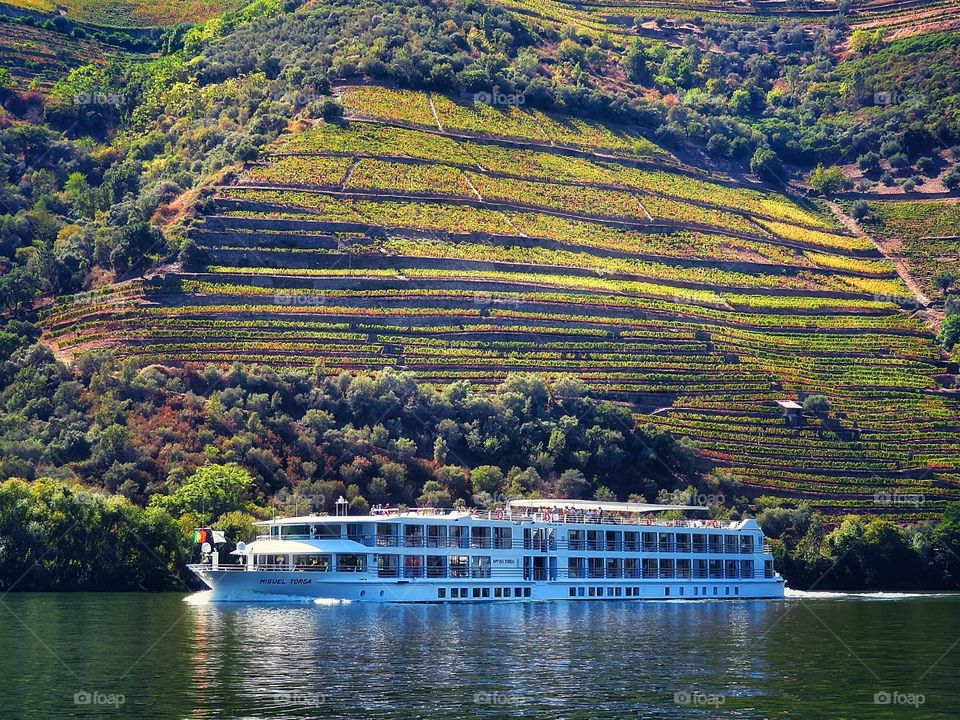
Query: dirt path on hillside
x=890 y=249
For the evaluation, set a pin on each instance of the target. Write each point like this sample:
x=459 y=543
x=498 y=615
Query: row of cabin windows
x=393 y=535
x=318 y=531
x=578 y=567
x=616 y=540
x=702 y=591
x=615 y=592
x=479 y=566
x=342 y=562
x=698 y=591
x=484 y=592
x=433 y=566
x=411 y=535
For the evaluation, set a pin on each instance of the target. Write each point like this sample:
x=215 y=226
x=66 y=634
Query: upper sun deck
x=537 y=511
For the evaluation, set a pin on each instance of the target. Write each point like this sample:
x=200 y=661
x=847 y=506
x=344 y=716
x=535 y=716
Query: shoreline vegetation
x=107 y=467
x=59 y=537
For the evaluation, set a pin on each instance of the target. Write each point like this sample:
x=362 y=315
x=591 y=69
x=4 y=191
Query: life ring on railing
x=545 y=517
x=499 y=513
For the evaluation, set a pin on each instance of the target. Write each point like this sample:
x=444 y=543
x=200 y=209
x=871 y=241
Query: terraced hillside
x=132 y=13
x=901 y=18
x=462 y=241
x=925 y=232
x=36 y=58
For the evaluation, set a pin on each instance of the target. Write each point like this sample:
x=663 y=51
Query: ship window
x=714 y=589
x=517 y=592
x=636 y=592
x=576 y=539
x=320 y=563
x=413 y=535
x=592 y=592
x=485 y=592
x=350 y=563
x=321 y=531
x=480 y=566
x=441 y=592
x=506 y=592
x=681 y=591
x=476 y=592
x=736 y=590
x=727 y=589
x=458 y=565
x=497 y=592
x=666 y=591
x=573 y=592
x=296 y=530
x=526 y=592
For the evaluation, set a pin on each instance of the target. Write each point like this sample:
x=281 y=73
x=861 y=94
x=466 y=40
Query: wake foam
x=829 y=595
x=208 y=597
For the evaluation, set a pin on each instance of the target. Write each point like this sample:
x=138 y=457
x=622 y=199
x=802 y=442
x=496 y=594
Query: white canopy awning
x=596 y=505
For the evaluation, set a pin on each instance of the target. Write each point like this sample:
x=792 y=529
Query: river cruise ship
x=529 y=550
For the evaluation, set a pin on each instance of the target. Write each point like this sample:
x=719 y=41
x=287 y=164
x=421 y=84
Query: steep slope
x=926 y=233
x=129 y=13
x=37 y=57
x=460 y=239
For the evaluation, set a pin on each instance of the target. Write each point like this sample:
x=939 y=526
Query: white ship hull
x=277 y=586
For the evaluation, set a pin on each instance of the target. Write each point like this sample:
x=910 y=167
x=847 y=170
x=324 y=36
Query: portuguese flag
x=202 y=535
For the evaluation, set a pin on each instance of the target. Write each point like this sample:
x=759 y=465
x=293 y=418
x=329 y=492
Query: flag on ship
x=202 y=535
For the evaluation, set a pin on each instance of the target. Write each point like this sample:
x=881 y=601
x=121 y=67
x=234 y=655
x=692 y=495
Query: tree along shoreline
x=57 y=537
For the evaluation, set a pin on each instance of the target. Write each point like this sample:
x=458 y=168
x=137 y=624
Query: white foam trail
x=827 y=595
x=208 y=597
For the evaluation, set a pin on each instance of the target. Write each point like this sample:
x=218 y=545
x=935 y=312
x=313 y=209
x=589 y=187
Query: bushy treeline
x=56 y=537
x=782 y=86
x=863 y=553
x=381 y=438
